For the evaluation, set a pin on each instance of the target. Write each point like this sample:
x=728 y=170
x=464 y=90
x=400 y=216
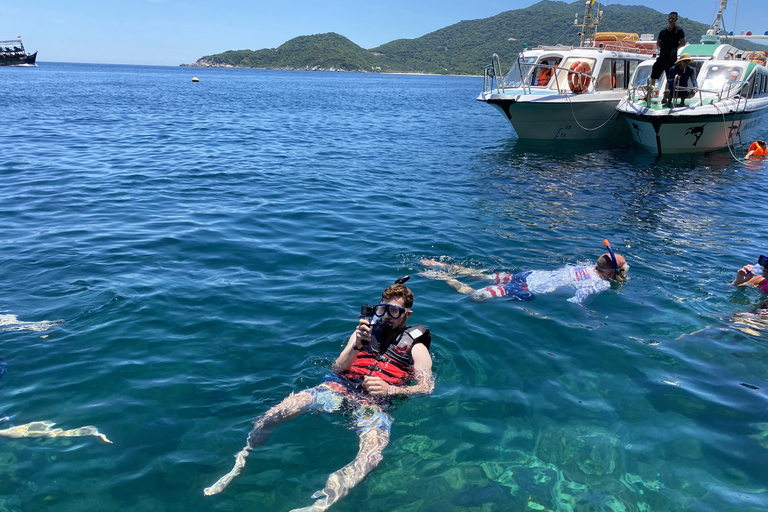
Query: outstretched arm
x=45 y=429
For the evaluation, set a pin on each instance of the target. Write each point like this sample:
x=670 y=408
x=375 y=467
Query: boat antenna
x=589 y=24
x=714 y=29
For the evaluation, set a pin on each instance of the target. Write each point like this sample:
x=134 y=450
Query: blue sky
x=171 y=32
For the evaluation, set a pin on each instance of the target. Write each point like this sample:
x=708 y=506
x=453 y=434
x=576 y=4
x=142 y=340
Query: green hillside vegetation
x=461 y=49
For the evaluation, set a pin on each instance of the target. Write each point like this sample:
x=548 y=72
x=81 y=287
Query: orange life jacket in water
x=758 y=149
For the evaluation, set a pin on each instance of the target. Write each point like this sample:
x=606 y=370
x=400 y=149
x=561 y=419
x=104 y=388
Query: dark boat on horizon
x=12 y=53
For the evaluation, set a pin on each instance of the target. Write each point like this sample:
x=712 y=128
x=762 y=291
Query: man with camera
x=383 y=358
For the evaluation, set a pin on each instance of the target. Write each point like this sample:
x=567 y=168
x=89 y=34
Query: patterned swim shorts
x=335 y=394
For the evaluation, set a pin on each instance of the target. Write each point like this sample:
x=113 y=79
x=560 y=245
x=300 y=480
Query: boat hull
x=676 y=131
x=27 y=60
x=562 y=118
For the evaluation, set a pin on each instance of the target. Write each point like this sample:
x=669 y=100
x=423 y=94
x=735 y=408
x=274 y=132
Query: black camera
x=762 y=260
x=367 y=312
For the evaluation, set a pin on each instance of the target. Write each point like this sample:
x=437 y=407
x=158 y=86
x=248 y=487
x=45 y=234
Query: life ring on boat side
x=577 y=82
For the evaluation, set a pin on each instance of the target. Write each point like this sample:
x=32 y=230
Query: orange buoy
x=578 y=77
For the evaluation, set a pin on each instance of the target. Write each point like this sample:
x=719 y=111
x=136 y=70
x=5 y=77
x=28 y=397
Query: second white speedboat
x=566 y=92
x=729 y=107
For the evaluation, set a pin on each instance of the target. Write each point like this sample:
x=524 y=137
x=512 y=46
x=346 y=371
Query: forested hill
x=461 y=49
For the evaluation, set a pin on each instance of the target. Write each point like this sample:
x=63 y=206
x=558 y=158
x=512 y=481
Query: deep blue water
x=197 y=251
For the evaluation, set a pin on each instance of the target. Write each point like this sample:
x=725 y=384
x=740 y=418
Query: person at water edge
x=527 y=285
x=758 y=149
x=681 y=78
x=382 y=359
x=670 y=39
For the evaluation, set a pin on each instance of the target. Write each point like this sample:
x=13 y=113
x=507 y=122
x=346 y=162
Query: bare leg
x=292 y=407
x=460 y=287
x=372 y=443
x=452 y=269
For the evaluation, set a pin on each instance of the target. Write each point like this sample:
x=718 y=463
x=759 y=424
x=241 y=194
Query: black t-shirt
x=670 y=40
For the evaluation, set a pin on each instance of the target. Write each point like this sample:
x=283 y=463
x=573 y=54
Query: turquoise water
x=199 y=251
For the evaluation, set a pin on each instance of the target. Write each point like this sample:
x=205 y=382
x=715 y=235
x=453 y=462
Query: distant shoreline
x=327 y=70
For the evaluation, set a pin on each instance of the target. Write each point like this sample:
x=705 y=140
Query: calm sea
x=177 y=257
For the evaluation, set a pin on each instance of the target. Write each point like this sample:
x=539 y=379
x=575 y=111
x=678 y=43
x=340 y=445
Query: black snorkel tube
x=613 y=259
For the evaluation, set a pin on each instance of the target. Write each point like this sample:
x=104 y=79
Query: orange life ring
x=579 y=83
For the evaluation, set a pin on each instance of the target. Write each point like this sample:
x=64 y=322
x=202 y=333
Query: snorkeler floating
x=527 y=285
x=382 y=359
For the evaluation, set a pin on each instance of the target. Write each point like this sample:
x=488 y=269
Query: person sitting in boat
x=758 y=149
x=525 y=286
x=681 y=81
x=545 y=74
x=381 y=360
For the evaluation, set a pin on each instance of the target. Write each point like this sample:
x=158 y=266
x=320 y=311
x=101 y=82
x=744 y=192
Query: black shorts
x=661 y=66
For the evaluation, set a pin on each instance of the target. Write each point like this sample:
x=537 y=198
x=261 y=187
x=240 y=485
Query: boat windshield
x=641 y=76
x=519 y=70
x=561 y=76
x=721 y=79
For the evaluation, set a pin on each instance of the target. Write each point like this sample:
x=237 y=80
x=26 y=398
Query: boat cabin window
x=542 y=73
x=758 y=83
x=604 y=77
x=561 y=77
x=520 y=69
x=615 y=73
x=720 y=79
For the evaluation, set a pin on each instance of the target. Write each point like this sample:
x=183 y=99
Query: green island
x=460 y=49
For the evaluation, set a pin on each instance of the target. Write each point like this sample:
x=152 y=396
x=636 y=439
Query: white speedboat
x=729 y=106
x=566 y=92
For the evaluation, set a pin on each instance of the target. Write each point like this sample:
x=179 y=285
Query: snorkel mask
x=616 y=271
x=393 y=311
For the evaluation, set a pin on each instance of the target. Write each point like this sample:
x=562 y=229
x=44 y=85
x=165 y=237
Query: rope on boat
x=728 y=139
x=573 y=114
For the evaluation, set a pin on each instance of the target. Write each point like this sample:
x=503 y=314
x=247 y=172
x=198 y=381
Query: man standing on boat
x=670 y=39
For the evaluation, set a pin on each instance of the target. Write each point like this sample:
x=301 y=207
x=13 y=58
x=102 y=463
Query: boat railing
x=730 y=89
x=725 y=92
x=493 y=79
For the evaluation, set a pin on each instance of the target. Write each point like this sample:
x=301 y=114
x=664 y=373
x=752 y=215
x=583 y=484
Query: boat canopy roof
x=701 y=50
x=11 y=41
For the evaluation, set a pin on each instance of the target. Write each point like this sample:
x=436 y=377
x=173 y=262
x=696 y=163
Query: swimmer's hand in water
x=376 y=386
